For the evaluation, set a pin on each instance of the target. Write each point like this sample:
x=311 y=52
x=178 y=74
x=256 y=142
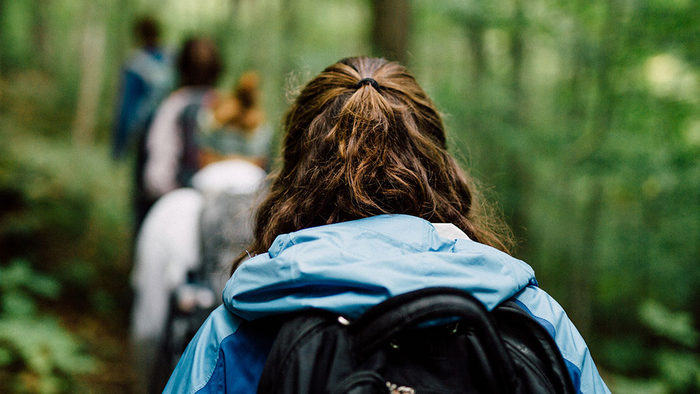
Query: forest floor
x=108 y=344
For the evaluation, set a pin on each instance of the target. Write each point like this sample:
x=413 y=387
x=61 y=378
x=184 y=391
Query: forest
x=580 y=118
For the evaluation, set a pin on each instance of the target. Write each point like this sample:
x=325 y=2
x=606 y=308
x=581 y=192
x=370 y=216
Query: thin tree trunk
x=391 y=29
x=125 y=30
x=517 y=54
x=41 y=36
x=585 y=260
x=518 y=171
x=475 y=36
x=227 y=31
x=597 y=129
x=92 y=60
x=225 y=34
x=290 y=30
x=576 y=110
x=3 y=27
x=599 y=122
x=3 y=52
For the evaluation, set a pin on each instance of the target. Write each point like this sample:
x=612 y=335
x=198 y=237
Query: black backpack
x=436 y=340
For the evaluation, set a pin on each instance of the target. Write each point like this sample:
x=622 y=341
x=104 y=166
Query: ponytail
x=247 y=90
x=241 y=109
x=363 y=139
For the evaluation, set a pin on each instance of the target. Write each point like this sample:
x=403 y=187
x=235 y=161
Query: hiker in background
x=171 y=156
x=147 y=78
x=233 y=126
x=367 y=205
x=182 y=259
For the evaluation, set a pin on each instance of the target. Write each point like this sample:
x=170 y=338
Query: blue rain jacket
x=347 y=268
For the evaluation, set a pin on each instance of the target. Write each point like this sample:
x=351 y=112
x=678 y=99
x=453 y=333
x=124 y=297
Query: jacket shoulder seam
x=216 y=363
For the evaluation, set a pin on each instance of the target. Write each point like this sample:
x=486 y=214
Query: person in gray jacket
x=367 y=205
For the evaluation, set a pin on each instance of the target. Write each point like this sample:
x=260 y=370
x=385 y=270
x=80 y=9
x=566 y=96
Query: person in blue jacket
x=147 y=78
x=367 y=205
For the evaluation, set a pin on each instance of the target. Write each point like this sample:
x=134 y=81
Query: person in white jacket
x=186 y=229
x=367 y=205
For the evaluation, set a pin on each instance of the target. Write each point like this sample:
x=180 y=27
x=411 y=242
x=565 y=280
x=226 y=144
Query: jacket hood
x=348 y=267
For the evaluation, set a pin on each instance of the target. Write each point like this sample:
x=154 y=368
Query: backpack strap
x=536 y=347
x=380 y=324
x=189 y=159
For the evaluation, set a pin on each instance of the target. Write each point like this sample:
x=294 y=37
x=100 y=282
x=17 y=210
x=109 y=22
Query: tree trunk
x=517 y=49
x=41 y=36
x=92 y=60
x=518 y=170
x=3 y=52
x=226 y=35
x=597 y=128
x=475 y=36
x=290 y=29
x=600 y=120
x=125 y=29
x=391 y=28
x=584 y=261
x=228 y=29
x=3 y=27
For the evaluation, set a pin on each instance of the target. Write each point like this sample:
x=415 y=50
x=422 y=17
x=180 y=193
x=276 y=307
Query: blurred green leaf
x=19 y=275
x=17 y=304
x=623 y=385
x=676 y=326
x=680 y=370
x=44 y=345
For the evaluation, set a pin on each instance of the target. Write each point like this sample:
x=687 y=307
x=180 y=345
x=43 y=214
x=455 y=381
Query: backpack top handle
x=381 y=323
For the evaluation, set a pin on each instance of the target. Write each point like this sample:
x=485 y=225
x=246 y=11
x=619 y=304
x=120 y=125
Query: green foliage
x=678 y=361
x=635 y=386
x=680 y=371
x=18 y=284
x=675 y=326
x=66 y=211
x=60 y=211
x=64 y=244
x=36 y=353
x=587 y=130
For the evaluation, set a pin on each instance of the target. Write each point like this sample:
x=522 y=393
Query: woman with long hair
x=367 y=204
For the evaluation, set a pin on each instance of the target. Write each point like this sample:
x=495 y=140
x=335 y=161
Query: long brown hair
x=353 y=150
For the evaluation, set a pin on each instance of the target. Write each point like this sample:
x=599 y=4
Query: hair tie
x=367 y=81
